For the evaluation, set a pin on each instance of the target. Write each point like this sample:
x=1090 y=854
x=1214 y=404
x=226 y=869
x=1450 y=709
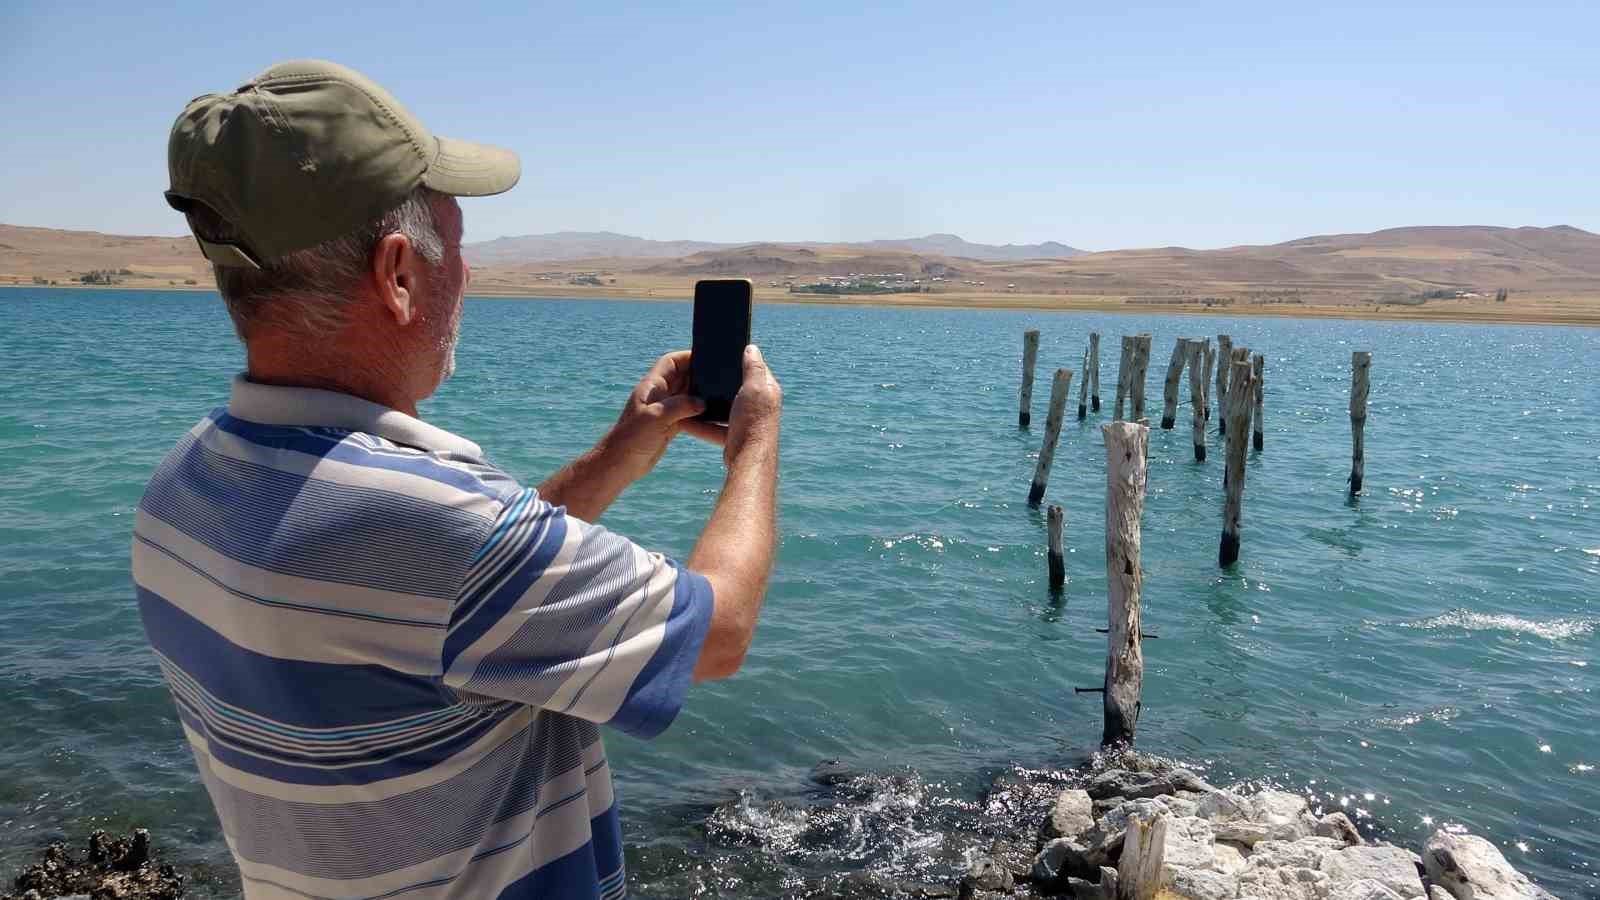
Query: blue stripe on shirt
x=291 y=691
x=527 y=565
x=657 y=692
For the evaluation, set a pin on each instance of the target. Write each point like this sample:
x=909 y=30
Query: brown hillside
x=55 y=254
x=1386 y=267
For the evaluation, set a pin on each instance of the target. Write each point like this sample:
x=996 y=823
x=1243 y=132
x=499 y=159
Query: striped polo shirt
x=391 y=660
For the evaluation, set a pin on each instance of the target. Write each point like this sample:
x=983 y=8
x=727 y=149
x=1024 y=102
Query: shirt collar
x=275 y=405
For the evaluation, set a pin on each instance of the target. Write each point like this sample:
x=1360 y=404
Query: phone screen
x=721 y=331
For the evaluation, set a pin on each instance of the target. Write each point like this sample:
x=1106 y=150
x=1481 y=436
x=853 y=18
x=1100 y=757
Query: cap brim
x=465 y=169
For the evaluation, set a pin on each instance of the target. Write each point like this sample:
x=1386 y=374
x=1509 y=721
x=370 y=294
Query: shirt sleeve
x=566 y=616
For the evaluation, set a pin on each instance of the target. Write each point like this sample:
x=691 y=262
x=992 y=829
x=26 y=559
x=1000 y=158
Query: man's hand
x=658 y=409
x=753 y=422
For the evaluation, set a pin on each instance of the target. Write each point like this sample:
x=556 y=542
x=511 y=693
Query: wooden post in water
x=1124 y=376
x=1169 y=390
x=1083 y=387
x=1197 y=397
x=1094 y=370
x=1205 y=381
x=1058 y=564
x=1240 y=399
x=1360 y=365
x=1141 y=364
x=1127 y=445
x=1256 y=430
x=1059 y=388
x=1030 y=354
x=1224 y=349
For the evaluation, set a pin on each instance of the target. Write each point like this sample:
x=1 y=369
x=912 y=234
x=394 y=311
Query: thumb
x=753 y=360
x=681 y=406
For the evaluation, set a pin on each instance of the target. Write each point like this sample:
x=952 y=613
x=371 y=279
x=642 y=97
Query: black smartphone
x=721 y=331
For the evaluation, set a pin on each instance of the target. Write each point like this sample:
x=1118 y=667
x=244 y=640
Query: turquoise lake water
x=1425 y=654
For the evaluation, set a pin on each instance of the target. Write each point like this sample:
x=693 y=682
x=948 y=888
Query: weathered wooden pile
x=1240 y=398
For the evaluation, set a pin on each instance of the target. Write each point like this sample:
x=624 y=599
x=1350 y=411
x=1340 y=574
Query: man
x=390 y=659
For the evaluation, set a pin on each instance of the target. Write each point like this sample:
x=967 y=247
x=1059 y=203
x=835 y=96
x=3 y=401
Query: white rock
x=1471 y=868
x=1180 y=807
x=1198 y=884
x=1306 y=853
x=1242 y=832
x=1189 y=843
x=1438 y=893
x=1277 y=808
x=1269 y=815
x=1070 y=816
x=1365 y=889
x=1389 y=865
x=1222 y=806
x=1227 y=859
x=1283 y=884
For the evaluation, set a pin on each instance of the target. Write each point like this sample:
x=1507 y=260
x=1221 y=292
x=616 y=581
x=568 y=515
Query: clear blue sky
x=1100 y=125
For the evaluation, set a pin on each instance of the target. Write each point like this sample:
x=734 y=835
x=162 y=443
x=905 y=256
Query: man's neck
x=275 y=363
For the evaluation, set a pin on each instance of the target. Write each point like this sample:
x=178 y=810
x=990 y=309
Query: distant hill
x=578 y=245
x=950 y=245
x=568 y=245
x=1395 y=262
x=797 y=260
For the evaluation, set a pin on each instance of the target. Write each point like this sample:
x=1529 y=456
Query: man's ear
x=397 y=277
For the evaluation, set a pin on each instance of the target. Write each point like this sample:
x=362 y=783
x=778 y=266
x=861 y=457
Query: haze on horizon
x=1239 y=123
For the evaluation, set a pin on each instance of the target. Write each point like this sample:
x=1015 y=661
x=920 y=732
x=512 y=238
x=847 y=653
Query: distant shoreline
x=1521 y=310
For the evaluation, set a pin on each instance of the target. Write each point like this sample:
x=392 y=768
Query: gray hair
x=310 y=291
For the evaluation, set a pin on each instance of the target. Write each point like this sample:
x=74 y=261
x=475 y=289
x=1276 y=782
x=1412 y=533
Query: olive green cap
x=309 y=151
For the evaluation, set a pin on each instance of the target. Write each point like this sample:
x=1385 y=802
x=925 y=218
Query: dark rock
x=919 y=890
x=1015 y=855
x=1136 y=785
x=1338 y=826
x=1084 y=889
x=832 y=773
x=1058 y=861
x=1087 y=889
x=987 y=874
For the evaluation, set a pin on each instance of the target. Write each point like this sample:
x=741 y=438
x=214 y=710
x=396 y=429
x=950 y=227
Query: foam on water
x=1466 y=620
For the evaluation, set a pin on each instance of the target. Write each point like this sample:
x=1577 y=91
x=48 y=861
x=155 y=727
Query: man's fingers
x=681 y=406
x=672 y=368
x=705 y=431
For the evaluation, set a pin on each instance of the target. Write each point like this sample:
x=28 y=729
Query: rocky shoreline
x=1145 y=829
x=113 y=868
x=1121 y=827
